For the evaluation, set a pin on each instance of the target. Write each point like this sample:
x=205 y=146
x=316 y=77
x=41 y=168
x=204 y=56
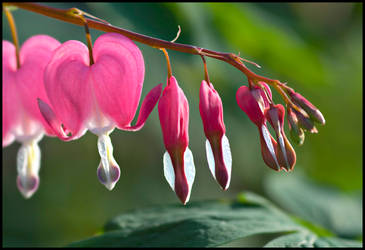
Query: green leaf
x=336 y=211
x=299 y=239
x=336 y=242
x=199 y=224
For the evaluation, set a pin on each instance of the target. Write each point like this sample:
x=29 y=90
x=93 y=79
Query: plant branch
x=63 y=15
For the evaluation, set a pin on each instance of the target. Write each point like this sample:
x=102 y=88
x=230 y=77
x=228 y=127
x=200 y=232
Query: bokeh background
x=315 y=47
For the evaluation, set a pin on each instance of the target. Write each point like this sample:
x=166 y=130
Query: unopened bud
x=284 y=151
x=311 y=110
x=296 y=133
x=305 y=122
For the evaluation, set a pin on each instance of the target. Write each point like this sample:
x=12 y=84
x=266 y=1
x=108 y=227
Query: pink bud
x=311 y=110
x=285 y=152
x=305 y=122
x=296 y=133
x=217 y=145
x=179 y=169
x=254 y=103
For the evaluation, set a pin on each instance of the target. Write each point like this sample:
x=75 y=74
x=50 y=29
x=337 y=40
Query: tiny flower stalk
x=217 y=145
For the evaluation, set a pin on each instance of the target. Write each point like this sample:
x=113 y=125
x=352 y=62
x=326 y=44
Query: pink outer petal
x=173 y=110
x=181 y=182
x=67 y=86
x=34 y=56
x=249 y=105
x=221 y=171
x=9 y=93
x=147 y=106
x=117 y=77
x=9 y=60
x=270 y=158
x=211 y=110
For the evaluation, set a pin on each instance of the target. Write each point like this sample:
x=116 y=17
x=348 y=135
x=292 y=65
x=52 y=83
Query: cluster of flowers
x=57 y=91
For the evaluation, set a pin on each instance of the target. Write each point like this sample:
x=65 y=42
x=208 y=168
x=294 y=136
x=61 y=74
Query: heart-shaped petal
x=117 y=77
x=67 y=85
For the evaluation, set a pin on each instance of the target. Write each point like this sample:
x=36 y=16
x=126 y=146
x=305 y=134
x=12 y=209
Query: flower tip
x=28 y=186
x=183 y=193
x=110 y=185
x=108 y=177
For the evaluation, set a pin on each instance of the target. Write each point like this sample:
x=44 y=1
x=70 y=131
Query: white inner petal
x=168 y=170
x=189 y=168
x=210 y=158
x=282 y=146
x=28 y=159
x=108 y=163
x=269 y=144
x=227 y=158
x=257 y=95
x=103 y=143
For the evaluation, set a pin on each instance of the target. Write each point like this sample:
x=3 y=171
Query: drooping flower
x=255 y=103
x=285 y=152
x=22 y=120
x=98 y=97
x=179 y=169
x=217 y=144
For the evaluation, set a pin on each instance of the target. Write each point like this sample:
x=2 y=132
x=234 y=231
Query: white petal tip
x=27 y=186
x=110 y=186
x=108 y=178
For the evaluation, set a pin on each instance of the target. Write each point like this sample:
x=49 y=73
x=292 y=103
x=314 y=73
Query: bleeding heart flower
x=285 y=152
x=217 y=144
x=254 y=102
x=179 y=169
x=98 y=97
x=22 y=120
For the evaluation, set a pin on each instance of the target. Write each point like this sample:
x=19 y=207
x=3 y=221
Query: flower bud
x=285 y=152
x=254 y=102
x=296 y=133
x=311 y=110
x=305 y=122
x=217 y=145
x=179 y=168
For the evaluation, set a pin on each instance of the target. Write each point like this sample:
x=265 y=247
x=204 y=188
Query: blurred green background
x=315 y=47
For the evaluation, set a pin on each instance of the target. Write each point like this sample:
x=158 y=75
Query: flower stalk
x=14 y=35
x=65 y=16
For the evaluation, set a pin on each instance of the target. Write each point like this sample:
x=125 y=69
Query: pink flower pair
x=179 y=169
x=56 y=92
